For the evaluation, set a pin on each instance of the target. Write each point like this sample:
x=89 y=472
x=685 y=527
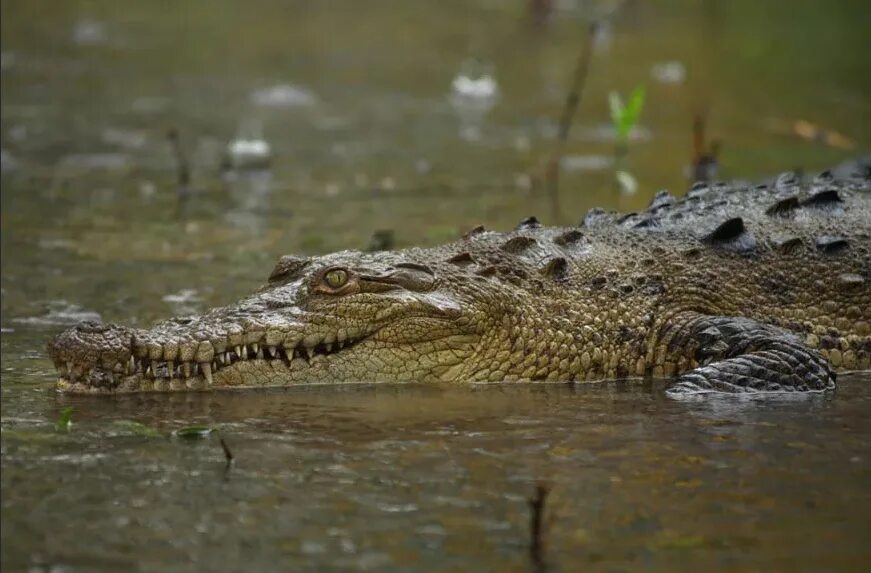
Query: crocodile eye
x=336 y=278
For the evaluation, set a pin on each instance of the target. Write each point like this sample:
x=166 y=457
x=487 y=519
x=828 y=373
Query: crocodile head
x=344 y=317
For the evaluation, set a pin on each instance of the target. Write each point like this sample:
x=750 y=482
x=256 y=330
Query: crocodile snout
x=91 y=352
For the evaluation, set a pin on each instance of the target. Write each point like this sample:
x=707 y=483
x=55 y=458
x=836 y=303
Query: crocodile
x=732 y=288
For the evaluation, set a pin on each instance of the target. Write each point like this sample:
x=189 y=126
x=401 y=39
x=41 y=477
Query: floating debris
x=60 y=312
x=125 y=138
x=184 y=302
x=90 y=32
x=474 y=92
x=283 y=95
x=668 y=72
x=811 y=132
x=626 y=182
x=586 y=162
x=193 y=432
x=249 y=153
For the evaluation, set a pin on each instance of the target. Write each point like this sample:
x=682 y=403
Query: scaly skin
x=730 y=289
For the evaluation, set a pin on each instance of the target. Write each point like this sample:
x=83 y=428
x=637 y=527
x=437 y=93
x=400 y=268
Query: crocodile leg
x=740 y=355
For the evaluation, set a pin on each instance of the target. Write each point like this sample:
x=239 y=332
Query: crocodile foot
x=742 y=356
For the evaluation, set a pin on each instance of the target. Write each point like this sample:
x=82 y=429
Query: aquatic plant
x=624 y=117
x=65 y=420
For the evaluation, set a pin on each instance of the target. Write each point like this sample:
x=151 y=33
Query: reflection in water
x=363 y=139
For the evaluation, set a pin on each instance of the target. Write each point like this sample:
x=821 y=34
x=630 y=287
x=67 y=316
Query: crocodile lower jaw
x=253 y=365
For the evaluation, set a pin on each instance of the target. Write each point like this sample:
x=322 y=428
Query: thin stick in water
x=572 y=101
x=537 y=526
x=228 y=455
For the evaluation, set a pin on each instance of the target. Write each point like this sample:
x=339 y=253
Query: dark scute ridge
x=477 y=230
x=661 y=198
x=731 y=235
x=598 y=216
x=786 y=180
x=556 y=268
x=787 y=245
x=825 y=198
x=832 y=245
x=784 y=207
x=288 y=266
x=569 y=238
x=824 y=178
x=464 y=258
x=518 y=244
x=528 y=223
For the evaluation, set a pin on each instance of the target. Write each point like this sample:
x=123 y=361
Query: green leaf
x=136 y=428
x=615 y=104
x=65 y=420
x=625 y=117
x=193 y=432
x=633 y=108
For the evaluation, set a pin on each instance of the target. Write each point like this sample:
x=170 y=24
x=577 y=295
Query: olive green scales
x=731 y=288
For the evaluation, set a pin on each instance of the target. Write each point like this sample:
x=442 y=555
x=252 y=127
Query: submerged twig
x=537 y=526
x=182 y=167
x=705 y=164
x=565 y=125
x=228 y=455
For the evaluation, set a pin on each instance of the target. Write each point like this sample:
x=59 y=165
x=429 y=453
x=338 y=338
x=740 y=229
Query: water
x=354 y=101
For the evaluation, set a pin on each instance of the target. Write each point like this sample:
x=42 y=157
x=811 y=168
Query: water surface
x=355 y=101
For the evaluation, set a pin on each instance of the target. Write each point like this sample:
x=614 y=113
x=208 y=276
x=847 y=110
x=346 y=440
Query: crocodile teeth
x=131 y=365
x=255 y=347
x=244 y=355
x=311 y=340
x=259 y=353
x=272 y=351
x=328 y=346
x=149 y=372
x=207 y=372
x=186 y=369
x=310 y=352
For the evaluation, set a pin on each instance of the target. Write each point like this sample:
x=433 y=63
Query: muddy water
x=357 y=106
